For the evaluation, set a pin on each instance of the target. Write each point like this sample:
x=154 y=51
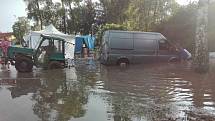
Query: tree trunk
x=40 y=14
x=64 y=16
x=201 y=57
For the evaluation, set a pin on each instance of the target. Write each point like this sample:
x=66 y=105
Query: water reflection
x=60 y=98
x=174 y=89
x=56 y=95
x=138 y=94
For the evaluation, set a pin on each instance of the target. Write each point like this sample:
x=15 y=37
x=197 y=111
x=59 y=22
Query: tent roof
x=51 y=30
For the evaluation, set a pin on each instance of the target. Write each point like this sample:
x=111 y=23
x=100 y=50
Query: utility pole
x=201 y=57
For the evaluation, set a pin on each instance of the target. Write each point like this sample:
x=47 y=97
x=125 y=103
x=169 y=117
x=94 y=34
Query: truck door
x=58 y=51
x=42 y=52
x=166 y=51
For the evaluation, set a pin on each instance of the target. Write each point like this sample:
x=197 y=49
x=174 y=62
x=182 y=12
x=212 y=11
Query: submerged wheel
x=55 y=65
x=123 y=61
x=24 y=64
x=173 y=60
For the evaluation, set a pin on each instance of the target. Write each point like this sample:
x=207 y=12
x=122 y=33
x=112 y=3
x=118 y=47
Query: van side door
x=145 y=46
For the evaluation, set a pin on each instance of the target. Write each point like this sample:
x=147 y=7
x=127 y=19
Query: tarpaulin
x=88 y=40
x=78 y=44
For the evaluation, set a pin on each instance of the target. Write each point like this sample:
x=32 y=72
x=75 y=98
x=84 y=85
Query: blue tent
x=88 y=40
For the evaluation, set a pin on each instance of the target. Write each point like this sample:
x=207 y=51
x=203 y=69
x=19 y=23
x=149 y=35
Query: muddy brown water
x=92 y=92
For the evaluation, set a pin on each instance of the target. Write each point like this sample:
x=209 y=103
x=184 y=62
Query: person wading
x=4 y=45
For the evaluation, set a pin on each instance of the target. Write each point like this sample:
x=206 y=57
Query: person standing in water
x=184 y=54
x=5 y=44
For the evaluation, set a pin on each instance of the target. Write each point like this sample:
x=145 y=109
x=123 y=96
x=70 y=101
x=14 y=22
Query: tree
x=21 y=27
x=87 y=17
x=44 y=12
x=34 y=11
x=82 y=16
x=180 y=27
x=201 y=59
x=51 y=13
x=114 y=10
x=142 y=15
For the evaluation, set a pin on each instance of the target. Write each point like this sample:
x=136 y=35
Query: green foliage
x=106 y=27
x=142 y=15
x=81 y=17
x=44 y=12
x=34 y=10
x=114 y=10
x=180 y=28
x=87 y=17
x=113 y=27
x=20 y=27
x=78 y=14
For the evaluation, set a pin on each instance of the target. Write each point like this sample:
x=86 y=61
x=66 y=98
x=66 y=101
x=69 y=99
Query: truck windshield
x=38 y=43
x=58 y=44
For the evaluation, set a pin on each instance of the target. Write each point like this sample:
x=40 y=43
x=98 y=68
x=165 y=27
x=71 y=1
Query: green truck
x=49 y=54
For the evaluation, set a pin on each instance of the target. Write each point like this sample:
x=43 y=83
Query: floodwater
x=92 y=92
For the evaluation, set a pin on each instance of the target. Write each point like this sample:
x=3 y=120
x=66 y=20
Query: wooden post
x=201 y=57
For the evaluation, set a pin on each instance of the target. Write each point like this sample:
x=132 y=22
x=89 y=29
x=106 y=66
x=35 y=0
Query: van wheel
x=24 y=64
x=173 y=60
x=55 y=65
x=123 y=62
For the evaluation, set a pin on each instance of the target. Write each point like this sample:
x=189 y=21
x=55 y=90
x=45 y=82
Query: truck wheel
x=24 y=64
x=123 y=62
x=55 y=65
x=12 y=62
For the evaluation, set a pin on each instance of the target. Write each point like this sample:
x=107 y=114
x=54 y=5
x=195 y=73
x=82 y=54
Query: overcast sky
x=11 y=9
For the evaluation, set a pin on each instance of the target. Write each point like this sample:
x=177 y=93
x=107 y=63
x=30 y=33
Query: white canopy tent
x=34 y=37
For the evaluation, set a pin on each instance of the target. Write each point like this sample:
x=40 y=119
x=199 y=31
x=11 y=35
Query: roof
x=6 y=34
x=133 y=32
x=51 y=30
x=159 y=35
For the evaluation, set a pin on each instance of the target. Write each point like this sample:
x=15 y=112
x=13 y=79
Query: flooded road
x=92 y=92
